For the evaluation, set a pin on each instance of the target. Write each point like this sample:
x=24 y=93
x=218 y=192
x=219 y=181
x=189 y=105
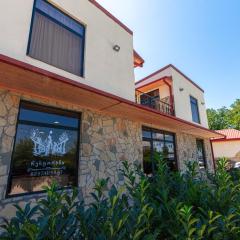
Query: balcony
x=153 y=101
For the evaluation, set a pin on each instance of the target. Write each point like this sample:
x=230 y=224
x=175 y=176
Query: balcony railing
x=153 y=102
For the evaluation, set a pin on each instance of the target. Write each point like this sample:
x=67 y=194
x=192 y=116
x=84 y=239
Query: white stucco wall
x=229 y=149
x=105 y=69
x=182 y=98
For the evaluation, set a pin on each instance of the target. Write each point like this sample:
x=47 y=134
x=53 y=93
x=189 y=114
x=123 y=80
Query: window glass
x=158 y=135
x=56 y=39
x=160 y=144
x=194 y=108
x=168 y=137
x=169 y=147
x=147 y=162
x=47 y=118
x=146 y=133
x=43 y=154
x=201 y=154
x=60 y=17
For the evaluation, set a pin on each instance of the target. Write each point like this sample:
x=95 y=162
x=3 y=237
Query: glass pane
x=59 y=16
x=43 y=154
x=158 y=152
x=169 y=147
x=146 y=134
x=35 y=116
x=147 y=162
x=53 y=44
x=169 y=137
x=200 y=154
x=157 y=135
x=194 y=108
x=154 y=93
x=145 y=100
x=172 y=164
x=158 y=146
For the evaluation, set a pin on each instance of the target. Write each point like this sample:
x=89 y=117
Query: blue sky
x=200 y=37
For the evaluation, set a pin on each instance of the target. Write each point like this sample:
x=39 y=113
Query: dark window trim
x=191 y=97
x=63 y=13
x=8 y=188
x=34 y=9
x=46 y=125
x=60 y=111
x=144 y=128
x=59 y=23
x=204 y=152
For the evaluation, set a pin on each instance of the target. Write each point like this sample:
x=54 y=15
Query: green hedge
x=168 y=205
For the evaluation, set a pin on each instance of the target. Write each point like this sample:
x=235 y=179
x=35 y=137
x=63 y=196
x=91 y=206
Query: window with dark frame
x=195 y=110
x=56 y=38
x=201 y=154
x=45 y=149
x=150 y=99
x=158 y=143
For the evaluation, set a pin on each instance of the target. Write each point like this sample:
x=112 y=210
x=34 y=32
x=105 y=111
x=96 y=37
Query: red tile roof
x=231 y=134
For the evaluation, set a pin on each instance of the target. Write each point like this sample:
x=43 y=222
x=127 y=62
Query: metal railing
x=153 y=102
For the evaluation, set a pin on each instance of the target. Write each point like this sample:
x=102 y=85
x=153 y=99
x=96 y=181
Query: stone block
x=3 y=122
x=10 y=131
x=6 y=144
x=3 y=170
x=3 y=109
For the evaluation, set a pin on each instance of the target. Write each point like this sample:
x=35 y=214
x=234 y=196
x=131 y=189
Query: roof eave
x=25 y=78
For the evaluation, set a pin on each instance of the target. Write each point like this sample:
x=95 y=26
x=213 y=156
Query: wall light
x=116 y=48
x=181 y=89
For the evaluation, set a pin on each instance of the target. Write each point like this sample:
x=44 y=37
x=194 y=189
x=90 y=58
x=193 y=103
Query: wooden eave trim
x=34 y=69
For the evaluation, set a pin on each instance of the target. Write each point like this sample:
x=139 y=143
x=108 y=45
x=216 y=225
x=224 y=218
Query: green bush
x=168 y=205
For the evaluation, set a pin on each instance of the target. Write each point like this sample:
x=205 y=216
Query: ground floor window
x=45 y=149
x=155 y=144
x=201 y=154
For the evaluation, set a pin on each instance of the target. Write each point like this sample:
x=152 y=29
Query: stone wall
x=105 y=142
x=187 y=150
x=8 y=118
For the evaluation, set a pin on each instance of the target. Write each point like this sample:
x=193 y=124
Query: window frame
x=34 y=10
x=8 y=188
x=197 y=105
x=151 y=140
x=204 y=153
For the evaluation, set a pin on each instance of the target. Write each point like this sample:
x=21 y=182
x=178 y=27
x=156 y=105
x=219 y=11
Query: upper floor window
x=56 y=39
x=194 y=108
